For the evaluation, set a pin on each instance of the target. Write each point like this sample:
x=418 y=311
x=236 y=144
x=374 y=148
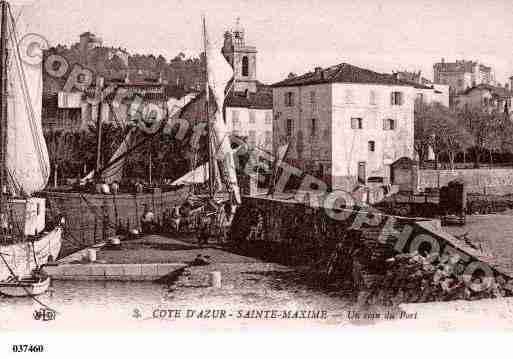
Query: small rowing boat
x=24 y=287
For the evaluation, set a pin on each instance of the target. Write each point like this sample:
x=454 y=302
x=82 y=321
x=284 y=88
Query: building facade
x=461 y=75
x=73 y=111
x=345 y=124
x=250 y=115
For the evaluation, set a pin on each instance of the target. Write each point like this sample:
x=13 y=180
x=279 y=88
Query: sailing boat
x=220 y=169
x=24 y=169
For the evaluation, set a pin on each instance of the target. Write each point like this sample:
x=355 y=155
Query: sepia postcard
x=241 y=165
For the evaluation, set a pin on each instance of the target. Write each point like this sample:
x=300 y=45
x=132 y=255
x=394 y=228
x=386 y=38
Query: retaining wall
x=486 y=181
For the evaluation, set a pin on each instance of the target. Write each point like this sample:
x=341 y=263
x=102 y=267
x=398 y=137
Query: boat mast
x=211 y=169
x=3 y=102
x=98 y=94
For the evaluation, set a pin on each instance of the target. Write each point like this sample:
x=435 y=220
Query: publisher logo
x=44 y=315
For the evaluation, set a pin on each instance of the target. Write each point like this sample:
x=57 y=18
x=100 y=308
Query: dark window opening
x=314 y=127
x=290 y=125
x=245 y=66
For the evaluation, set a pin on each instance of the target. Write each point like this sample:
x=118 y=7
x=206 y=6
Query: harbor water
x=85 y=305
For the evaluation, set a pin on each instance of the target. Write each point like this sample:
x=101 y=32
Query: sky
x=296 y=36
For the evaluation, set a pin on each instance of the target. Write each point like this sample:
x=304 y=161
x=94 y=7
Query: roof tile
x=344 y=73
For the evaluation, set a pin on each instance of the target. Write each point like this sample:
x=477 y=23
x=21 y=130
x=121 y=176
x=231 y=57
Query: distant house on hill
x=461 y=75
x=486 y=97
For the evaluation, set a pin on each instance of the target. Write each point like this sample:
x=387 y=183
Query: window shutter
x=392 y=98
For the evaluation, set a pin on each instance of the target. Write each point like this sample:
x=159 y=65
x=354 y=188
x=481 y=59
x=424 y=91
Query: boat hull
x=93 y=218
x=20 y=257
x=24 y=288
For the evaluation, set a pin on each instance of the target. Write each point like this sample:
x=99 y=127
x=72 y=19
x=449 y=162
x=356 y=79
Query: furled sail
x=114 y=173
x=27 y=161
x=219 y=74
x=200 y=174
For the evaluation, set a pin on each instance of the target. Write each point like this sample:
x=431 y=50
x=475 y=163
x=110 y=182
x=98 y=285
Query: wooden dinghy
x=25 y=287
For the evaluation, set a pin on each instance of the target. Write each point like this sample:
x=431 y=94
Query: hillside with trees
x=114 y=63
x=73 y=154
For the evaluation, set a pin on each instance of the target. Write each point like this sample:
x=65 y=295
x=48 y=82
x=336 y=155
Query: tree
x=490 y=132
x=438 y=127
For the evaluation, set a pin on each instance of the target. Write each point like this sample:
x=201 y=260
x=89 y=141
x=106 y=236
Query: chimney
x=319 y=73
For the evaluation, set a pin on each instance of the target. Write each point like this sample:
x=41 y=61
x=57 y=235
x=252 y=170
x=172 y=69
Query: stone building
x=461 y=75
x=345 y=124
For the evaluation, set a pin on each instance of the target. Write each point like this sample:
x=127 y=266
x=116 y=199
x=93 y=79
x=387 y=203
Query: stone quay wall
x=295 y=233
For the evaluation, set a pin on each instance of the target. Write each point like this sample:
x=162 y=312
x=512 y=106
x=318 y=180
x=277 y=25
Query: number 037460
x=27 y=348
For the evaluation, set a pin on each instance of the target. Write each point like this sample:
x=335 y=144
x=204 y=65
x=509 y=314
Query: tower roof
x=238 y=33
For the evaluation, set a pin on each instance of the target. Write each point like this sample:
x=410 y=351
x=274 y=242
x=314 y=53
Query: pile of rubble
x=413 y=278
x=381 y=276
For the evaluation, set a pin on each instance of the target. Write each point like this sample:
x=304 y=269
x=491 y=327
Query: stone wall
x=486 y=181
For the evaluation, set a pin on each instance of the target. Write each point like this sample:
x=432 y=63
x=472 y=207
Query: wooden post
x=150 y=166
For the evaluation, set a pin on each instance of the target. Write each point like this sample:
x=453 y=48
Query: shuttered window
x=396 y=98
x=356 y=123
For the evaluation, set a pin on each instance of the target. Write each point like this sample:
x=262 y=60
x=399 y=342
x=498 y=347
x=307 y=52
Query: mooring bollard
x=215 y=279
x=91 y=255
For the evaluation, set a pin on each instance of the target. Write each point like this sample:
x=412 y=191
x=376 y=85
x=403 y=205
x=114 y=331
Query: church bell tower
x=242 y=58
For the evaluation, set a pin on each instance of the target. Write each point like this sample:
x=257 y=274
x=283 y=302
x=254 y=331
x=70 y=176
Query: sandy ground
x=493 y=233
